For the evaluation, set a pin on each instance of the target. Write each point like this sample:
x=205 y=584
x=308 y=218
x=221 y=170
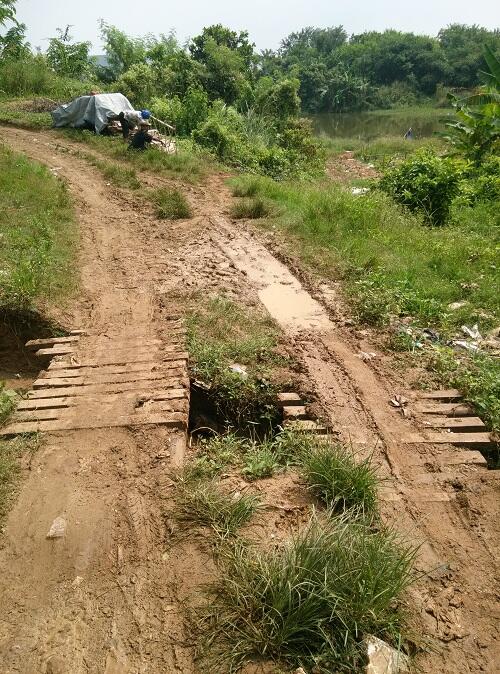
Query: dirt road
x=108 y=597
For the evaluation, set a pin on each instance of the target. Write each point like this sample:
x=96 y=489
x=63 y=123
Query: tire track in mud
x=456 y=602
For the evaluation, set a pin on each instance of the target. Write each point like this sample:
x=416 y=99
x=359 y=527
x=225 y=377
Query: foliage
x=69 y=59
x=7 y=11
x=33 y=76
x=340 y=479
x=138 y=83
x=7 y=403
x=37 y=232
x=170 y=204
x=186 y=114
x=424 y=183
x=13 y=45
x=204 y=504
x=309 y=601
x=463 y=49
x=250 y=208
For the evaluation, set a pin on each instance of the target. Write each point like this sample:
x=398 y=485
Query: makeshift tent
x=90 y=112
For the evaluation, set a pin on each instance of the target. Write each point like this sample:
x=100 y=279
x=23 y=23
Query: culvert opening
x=215 y=411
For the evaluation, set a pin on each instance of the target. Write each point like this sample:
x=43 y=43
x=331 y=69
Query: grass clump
x=251 y=209
x=215 y=454
x=204 y=504
x=311 y=601
x=7 y=402
x=37 y=233
x=339 y=480
x=222 y=333
x=170 y=204
x=260 y=461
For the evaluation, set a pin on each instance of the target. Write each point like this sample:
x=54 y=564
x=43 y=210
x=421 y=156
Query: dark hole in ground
x=207 y=419
x=19 y=366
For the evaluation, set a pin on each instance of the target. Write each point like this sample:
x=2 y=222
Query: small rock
x=456 y=305
x=58 y=528
x=383 y=659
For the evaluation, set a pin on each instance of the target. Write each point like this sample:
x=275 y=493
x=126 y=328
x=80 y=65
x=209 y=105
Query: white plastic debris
x=469 y=346
x=456 y=305
x=58 y=528
x=239 y=369
x=366 y=355
x=383 y=659
x=359 y=190
x=473 y=332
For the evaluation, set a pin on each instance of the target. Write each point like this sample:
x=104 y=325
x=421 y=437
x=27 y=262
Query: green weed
x=170 y=204
x=340 y=479
x=310 y=601
x=216 y=454
x=250 y=208
x=37 y=233
x=7 y=402
x=204 y=504
x=260 y=461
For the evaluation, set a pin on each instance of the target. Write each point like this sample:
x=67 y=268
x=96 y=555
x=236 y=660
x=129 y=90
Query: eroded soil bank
x=110 y=596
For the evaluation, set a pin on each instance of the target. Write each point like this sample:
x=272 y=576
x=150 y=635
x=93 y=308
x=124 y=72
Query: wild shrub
x=170 y=204
x=260 y=461
x=310 y=601
x=252 y=209
x=7 y=403
x=424 y=183
x=339 y=479
x=204 y=504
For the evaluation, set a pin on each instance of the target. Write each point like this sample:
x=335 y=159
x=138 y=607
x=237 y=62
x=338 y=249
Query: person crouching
x=129 y=119
x=141 y=138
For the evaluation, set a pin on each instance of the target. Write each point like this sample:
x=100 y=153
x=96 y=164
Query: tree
x=7 y=11
x=463 y=50
x=201 y=46
x=13 y=45
x=121 y=50
x=66 y=58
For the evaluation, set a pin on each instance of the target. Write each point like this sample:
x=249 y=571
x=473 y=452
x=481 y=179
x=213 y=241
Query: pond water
x=370 y=125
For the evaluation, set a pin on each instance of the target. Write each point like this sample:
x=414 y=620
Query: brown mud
x=109 y=597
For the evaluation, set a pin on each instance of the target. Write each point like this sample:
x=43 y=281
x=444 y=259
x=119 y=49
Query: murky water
x=370 y=125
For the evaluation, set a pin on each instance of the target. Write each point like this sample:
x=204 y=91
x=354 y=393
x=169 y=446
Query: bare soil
x=110 y=596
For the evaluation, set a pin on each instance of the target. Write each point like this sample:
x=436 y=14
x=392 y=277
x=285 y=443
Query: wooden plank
x=449 y=438
x=306 y=426
x=93 y=373
x=155 y=406
x=446 y=394
x=45 y=403
x=448 y=409
x=457 y=457
x=455 y=423
x=288 y=399
x=38 y=415
x=54 y=351
x=92 y=364
x=91 y=389
x=35 y=344
x=172 y=419
x=294 y=412
x=107 y=378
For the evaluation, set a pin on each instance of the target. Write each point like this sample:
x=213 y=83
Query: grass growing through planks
x=170 y=204
x=204 y=504
x=37 y=233
x=310 y=601
x=339 y=479
x=222 y=334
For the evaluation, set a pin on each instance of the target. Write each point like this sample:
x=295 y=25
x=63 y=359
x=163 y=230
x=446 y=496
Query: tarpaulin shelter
x=90 y=112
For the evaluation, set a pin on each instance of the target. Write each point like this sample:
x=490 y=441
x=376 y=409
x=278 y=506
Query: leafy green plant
x=215 y=454
x=204 y=504
x=340 y=479
x=310 y=601
x=424 y=183
x=7 y=402
x=260 y=461
x=170 y=204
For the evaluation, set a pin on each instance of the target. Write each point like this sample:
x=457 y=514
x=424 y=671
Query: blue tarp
x=90 y=111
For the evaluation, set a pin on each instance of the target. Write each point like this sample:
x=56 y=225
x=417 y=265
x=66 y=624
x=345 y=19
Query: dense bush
x=425 y=183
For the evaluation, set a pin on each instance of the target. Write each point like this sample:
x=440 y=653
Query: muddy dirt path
x=107 y=600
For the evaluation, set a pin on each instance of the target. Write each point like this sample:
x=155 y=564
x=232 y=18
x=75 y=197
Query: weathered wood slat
x=457 y=457
x=454 y=422
x=90 y=389
x=54 y=351
x=288 y=399
x=52 y=403
x=449 y=438
x=38 y=415
x=445 y=394
x=172 y=419
x=448 y=409
x=93 y=374
x=294 y=412
x=306 y=426
x=107 y=378
x=35 y=344
x=132 y=365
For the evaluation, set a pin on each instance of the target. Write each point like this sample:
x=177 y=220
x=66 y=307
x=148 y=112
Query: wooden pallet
x=99 y=383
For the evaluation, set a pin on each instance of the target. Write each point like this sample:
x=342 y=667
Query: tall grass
x=310 y=601
x=37 y=234
x=170 y=204
x=391 y=263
